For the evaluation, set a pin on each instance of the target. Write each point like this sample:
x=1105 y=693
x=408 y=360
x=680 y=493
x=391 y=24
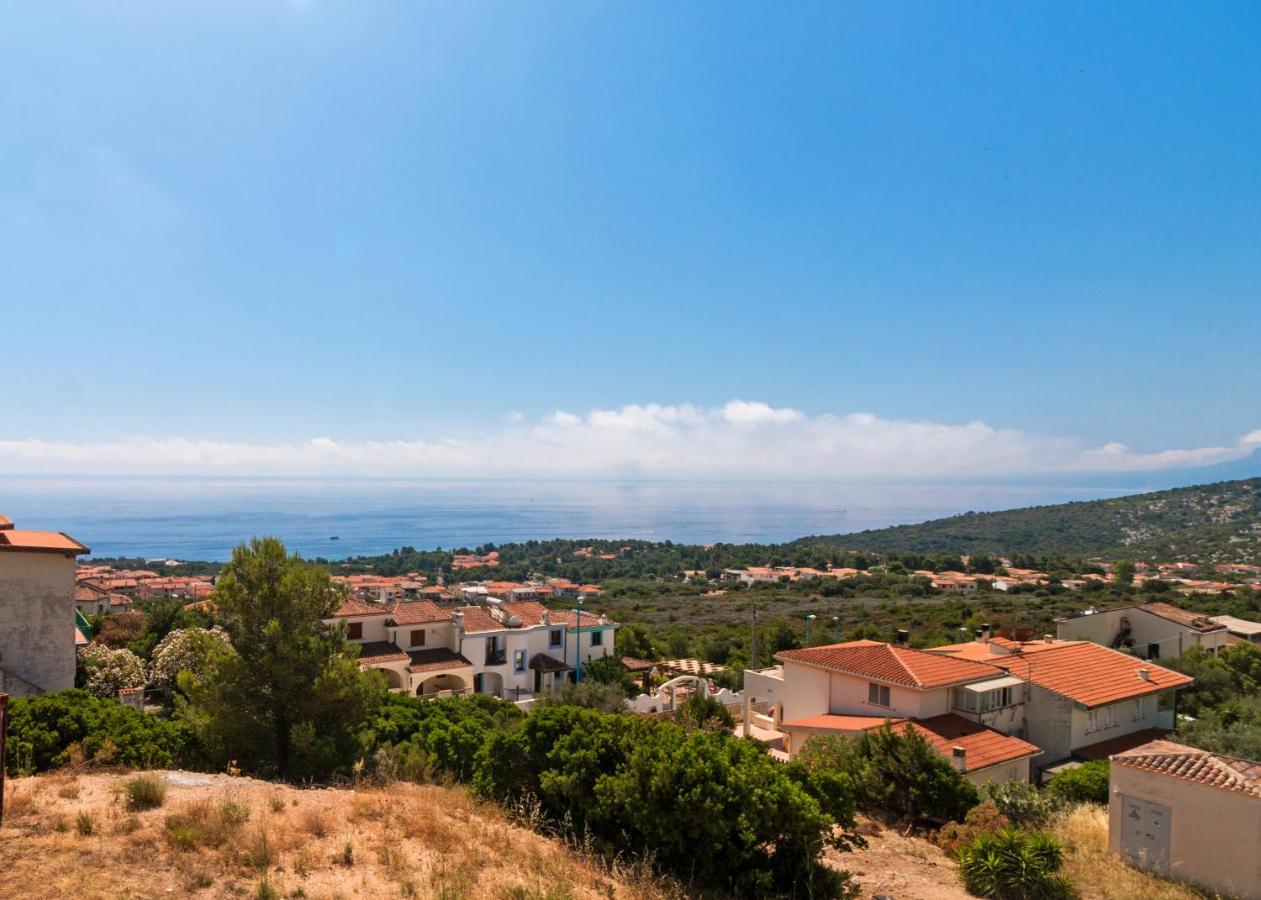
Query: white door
x=1145 y=830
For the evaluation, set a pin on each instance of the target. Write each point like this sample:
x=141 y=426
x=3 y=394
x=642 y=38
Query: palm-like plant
x=1014 y=865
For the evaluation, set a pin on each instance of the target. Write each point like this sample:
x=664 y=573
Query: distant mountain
x=1218 y=522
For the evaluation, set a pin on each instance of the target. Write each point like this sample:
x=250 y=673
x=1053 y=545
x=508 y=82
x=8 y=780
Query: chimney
x=547 y=617
x=1047 y=639
x=980 y=636
x=1145 y=674
x=959 y=759
x=985 y=632
x=903 y=636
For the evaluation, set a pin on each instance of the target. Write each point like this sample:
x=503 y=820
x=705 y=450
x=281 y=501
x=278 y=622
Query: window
x=878 y=694
x=518 y=661
x=354 y=631
x=556 y=637
x=418 y=637
x=597 y=638
x=965 y=700
x=1139 y=708
x=1099 y=719
x=996 y=699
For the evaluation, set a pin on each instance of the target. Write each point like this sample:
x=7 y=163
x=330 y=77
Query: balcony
x=496 y=657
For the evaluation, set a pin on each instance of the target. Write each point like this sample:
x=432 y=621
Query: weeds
x=145 y=792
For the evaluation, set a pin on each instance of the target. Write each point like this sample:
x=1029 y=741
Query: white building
x=37 y=610
x=1153 y=630
x=510 y=649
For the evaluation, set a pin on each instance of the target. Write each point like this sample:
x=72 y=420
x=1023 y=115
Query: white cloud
x=741 y=439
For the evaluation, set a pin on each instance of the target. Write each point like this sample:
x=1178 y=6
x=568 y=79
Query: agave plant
x=1014 y=865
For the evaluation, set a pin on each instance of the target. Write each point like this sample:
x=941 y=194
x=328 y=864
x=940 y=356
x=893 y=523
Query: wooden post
x=4 y=730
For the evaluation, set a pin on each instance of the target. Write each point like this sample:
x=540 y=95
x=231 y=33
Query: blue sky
x=252 y=225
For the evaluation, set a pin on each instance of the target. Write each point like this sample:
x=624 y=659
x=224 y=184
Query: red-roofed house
x=845 y=689
x=37 y=608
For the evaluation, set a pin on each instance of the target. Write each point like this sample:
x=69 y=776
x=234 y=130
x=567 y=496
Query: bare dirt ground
x=904 y=868
x=69 y=835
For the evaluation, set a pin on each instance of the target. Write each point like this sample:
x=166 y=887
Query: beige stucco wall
x=1145 y=628
x=1215 y=838
x=1003 y=772
x=36 y=620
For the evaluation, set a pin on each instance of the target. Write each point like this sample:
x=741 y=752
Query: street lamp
x=836 y=629
x=810 y=618
x=578 y=645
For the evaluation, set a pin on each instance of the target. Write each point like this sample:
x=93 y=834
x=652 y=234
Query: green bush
x=704 y=713
x=1014 y=865
x=44 y=729
x=705 y=806
x=605 y=697
x=896 y=775
x=984 y=818
x=1087 y=783
x=1022 y=803
x=438 y=735
x=145 y=792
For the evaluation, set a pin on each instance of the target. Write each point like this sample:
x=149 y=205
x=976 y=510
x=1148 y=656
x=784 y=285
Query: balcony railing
x=496 y=657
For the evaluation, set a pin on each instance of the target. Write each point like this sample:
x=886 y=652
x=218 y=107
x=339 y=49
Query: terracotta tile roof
x=996 y=650
x=352 y=606
x=530 y=612
x=1104 y=749
x=40 y=542
x=414 y=612
x=1090 y=674
x=477 y=619
x=842 y=724
x=886 y=662
x=984 y=747
x=637 y=665
x=1182 y=617
x=79 y=639
x=379 y=652
x=1190 y=764
x=435 y=658
x=5 y=523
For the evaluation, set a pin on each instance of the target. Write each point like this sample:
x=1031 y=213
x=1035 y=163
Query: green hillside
x=1208 y=523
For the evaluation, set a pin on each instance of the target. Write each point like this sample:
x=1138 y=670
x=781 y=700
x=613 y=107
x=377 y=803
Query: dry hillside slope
x=71 y=835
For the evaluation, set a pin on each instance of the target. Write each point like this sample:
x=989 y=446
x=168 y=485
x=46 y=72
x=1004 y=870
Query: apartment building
x=37 y=610
x=511 y=649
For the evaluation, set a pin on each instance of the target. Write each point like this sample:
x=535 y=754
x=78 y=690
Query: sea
x=204 y=518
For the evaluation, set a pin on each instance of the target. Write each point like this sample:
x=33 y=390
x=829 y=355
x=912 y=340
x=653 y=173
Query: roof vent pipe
x=1145 y=674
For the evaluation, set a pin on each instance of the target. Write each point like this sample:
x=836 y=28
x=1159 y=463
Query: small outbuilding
x=1190 y=815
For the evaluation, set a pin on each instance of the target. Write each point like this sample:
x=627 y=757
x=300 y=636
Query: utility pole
x=578 y=646
x=810 y=618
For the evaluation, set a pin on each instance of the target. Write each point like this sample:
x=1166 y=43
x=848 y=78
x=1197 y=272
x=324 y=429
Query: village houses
x=1151 y=630
x=999 y=709
x=508 y=648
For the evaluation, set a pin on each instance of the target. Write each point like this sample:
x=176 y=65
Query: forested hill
x=1208 y=523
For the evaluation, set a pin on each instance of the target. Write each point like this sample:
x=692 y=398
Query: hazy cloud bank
x=738 y=440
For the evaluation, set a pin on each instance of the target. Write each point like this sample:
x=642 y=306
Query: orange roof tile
x=843 y=724
x=351 y=607
x=414 y=612
x=1198 y=621
x=1090 y=674
x=984 y=747
x=434 y=659
x=375 y=652
x=40 y=542
x=886 y=662
x=1190 y=764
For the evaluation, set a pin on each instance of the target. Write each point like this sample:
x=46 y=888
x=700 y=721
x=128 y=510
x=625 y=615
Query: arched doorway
x=489 y=683
x=439 y=683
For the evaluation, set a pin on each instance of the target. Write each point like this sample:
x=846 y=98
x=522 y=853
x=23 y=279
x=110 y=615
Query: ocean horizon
x=204 y=518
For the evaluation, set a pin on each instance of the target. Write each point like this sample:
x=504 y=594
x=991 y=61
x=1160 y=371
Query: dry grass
x=222 y=836
x=1098 y=872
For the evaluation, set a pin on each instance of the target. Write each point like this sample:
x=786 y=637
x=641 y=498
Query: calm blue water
x=190 y=518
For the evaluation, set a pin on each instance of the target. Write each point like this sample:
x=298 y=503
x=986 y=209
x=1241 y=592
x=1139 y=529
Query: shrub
x=439 y=735
x=1087 y=783
x=85 y=824
x=103 y=672
x=1022 y=803
x=896 y=775
x=145 y=792
x=984 y=818
x=704 y=713
x=1014 y=865
x=185 y=650
x=609 y=698
x=52 y=729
